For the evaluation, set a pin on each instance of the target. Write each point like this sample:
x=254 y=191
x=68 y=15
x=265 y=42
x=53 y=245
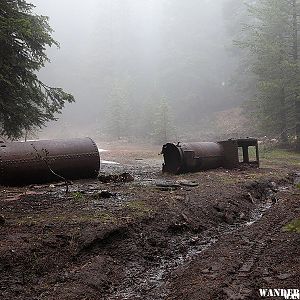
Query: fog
x=141 y=69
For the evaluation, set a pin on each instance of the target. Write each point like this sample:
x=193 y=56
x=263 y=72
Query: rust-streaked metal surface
x=193 y=157
x=32 y=161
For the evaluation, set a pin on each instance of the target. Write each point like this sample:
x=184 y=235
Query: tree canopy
x=25 y=101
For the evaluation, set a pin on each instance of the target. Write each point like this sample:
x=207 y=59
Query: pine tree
x=163 y=125
x=295 y=28
x=25 y=102
x=271 y=39
x=118 y=110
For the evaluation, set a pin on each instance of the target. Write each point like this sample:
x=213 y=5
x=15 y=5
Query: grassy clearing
x=280 y=156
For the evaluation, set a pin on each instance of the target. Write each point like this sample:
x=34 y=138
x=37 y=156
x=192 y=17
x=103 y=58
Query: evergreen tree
x=271 y=39
x=296 y=74
x=118 y=115
x=163 y=125
x=25 y=102
x=147 y=121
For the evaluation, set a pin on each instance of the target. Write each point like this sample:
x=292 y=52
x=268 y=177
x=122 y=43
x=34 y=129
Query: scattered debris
x=2 y=220
x=124 y=177
x=250 y=197
x=188 y=183
x=172 y=184
x=61 y=184
x=18 y=196
x=284 y=276
x=168 y=185
x=297 y=180
x=104 y=194
x=179 y=198
x=13 y=197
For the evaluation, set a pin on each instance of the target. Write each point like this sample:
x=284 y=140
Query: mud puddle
x=258 y=213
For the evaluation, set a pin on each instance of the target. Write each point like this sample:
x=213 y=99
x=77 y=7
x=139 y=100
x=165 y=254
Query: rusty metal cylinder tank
x=192 y=157
x=46 y=160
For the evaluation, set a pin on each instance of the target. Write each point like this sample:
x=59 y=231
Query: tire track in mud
x=151 y=284
x=239 y=286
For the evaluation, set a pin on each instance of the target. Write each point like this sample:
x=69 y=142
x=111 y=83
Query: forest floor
x=209 y=235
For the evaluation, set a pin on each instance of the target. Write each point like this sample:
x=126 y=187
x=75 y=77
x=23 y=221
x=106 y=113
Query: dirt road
x=210 y=235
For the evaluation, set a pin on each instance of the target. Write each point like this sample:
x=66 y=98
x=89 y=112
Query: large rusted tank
x=48 y=160
x=192 y=157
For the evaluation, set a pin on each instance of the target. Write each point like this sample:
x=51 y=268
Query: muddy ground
x=209 y=235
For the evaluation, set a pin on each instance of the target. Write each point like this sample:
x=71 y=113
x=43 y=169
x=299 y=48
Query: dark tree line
x=270 y=42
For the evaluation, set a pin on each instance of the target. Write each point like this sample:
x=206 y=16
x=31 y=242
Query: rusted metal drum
x=48 y=160
x=192 y=157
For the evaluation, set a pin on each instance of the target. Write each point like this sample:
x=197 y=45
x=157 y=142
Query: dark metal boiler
x=193 y=157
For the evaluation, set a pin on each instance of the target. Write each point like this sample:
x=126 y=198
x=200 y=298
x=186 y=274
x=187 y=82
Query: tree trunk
x=283 y=120
x=295 y=57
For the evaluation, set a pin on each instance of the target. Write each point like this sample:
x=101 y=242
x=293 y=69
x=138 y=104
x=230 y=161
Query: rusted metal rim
x=192 y=157
x=2 y=145
x=173 y=157
x=94 y=144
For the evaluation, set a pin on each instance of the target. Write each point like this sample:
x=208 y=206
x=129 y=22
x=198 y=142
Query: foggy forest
x=162 y=70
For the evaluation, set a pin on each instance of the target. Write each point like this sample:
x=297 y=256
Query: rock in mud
x=297 y=180
x=284 y=276
x=124 y=177
x=188 y=183
x=2 y=220
x=104 y=194
x=168 y=185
